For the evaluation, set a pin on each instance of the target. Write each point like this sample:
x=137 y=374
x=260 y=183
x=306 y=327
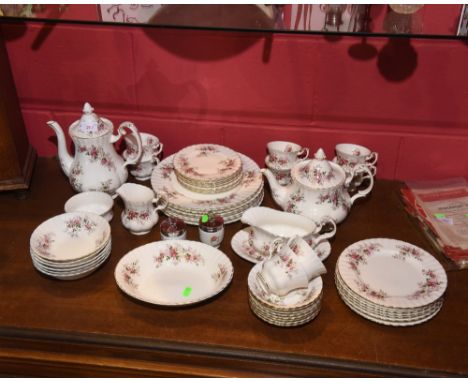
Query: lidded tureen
x=96 y=165
x=319 y=188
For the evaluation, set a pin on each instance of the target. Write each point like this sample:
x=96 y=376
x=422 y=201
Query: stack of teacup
x=286 y=288
x=152 y=148
x=281 y=158
x=351 y=156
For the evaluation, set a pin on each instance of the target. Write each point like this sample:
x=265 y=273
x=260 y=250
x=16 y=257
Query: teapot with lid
x=96 y=165
x=319 y=188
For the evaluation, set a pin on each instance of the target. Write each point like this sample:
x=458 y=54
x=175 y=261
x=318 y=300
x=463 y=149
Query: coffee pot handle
x=121 y=132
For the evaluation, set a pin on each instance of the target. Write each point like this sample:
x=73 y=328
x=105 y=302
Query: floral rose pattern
x=79 y=224
x=365 y=288
x=167 y=170
x=279 y=161
x=43 y=243
x=187 y=168
x=359 y=255
x=227 y=165
x=129 y=272
x=294 y=199
x=249 y=177
x=220 y=274
x=429 y=285
x=205 y=150
x=406 y=251
x=97 y=154
x=176 y=254
x=335 y=198
x=225 y=200
x=75 y=173
x=137 y=215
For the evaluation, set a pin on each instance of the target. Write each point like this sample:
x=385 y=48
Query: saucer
x=240 y=245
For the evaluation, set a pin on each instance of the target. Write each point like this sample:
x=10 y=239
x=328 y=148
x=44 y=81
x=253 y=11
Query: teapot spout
x=65 y=158
x=279 y=192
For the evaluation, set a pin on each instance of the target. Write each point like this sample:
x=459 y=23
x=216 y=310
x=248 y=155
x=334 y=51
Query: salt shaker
x=211 y=229
x=173 y=229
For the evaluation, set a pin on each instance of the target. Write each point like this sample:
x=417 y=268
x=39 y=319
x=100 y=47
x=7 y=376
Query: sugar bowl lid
x=319 y=172
x=90 y=124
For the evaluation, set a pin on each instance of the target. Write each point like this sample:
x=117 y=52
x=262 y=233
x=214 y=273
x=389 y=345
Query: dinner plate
x=173 y=272
x=70 y=236
x=392 y=273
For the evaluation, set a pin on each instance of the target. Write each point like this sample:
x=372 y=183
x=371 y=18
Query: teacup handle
x=121 y=132
x=161 y=206
x=274 y=246
x=372 y=158
x=304 y=151
x=373 y=170
x=156 y=154
x=321 y=238
x=362 y=193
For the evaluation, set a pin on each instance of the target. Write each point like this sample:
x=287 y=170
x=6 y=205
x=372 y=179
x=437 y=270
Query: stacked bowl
x=208 y=178
x=390 y=282
x=71 y=245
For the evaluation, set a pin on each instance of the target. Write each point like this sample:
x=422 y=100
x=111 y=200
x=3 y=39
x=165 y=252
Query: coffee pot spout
x=65 y=158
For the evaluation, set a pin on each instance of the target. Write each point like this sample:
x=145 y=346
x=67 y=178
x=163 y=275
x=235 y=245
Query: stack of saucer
x=208 y=168
x=296 y=308
x=390 y=282
x=71 y=245
x=189 y=205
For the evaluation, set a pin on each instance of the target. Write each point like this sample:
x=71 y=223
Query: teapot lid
x=319 y=172
x=90 y=124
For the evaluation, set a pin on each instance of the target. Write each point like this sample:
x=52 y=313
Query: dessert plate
x=173 y=272
x=164 y=182
x=70 y=236
x=243 y=248
x=392 y=273
x=207 y=162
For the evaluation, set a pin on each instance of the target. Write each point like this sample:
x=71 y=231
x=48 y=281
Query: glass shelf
x=423 y=21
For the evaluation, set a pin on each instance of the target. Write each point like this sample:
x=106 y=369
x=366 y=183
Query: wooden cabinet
x=17 y=156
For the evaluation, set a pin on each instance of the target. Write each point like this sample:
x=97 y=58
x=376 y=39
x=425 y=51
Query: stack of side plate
x=390 y=282
x=208 y=168
x=189 y=206
x=296 y=308
x=71 y=245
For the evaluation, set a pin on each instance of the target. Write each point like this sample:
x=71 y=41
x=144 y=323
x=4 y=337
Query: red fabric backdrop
x=408 y=101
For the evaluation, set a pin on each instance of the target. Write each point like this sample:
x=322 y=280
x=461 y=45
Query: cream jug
x=96 y=165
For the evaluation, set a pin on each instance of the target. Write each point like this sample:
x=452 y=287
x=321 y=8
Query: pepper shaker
x=211 y=229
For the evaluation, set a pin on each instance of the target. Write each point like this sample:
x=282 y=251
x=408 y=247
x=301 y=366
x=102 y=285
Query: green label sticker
x=187 y=291
x=205 y=218
x=466 y=215
x=439 y=216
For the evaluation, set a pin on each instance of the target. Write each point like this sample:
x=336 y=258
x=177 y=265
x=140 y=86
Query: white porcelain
x=190 y=205
x=207 y=163
x=96 y=202
x=282 y=272
x=284 y=154
x=150 y=144
x=319 y=189
x=139 y=215
x=282 y=175
x=349 y=155
x=268 y=224
x=70 y=236
x=241 y=245
x=211 y=238
x=173 y=272
x=96 y=165
x=305 y=256
x=143 y=169
x=392 y=273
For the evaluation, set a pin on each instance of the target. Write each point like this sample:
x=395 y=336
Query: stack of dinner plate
x=71 y=245
x=208 y=168
x=390 y=282
x=245 y=189
x=296 y=308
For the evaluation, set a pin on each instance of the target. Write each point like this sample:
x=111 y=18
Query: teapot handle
x=156 y=154
x=121 y=132
x=362 y=193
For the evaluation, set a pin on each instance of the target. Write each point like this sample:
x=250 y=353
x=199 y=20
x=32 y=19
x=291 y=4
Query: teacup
x=284 y=155
x=149 y=143
x=282 y=272
x=306 y=256
x=350 y=155
x=283 y=176
x=96 y=202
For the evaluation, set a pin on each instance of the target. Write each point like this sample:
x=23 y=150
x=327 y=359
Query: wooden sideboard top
x=89 y=327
